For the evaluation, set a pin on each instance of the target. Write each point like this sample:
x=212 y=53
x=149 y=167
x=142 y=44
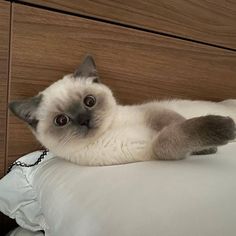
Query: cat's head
x=70 y=112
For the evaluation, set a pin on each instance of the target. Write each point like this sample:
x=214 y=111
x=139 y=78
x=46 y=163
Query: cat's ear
x=87 y=69
x=26 y=109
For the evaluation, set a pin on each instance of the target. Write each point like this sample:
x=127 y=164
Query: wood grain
x=4 y=51
x=5 y=223
x=137 y=66
x=212 y=21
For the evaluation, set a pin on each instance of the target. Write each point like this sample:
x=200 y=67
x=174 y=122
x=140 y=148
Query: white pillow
x=180 y=198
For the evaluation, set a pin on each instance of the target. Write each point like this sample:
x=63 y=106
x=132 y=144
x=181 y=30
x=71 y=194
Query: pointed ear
x=87 y=69
x=26 y=109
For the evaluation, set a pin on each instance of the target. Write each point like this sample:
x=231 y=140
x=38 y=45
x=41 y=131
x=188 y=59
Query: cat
x=77 y=118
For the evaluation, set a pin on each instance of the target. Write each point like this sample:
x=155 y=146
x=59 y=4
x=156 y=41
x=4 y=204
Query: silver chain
x=23 y=164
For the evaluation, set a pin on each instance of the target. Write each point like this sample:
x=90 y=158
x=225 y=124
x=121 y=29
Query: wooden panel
x=4 y=45
x=137 y=66
x=212 y=21
x=5 y=223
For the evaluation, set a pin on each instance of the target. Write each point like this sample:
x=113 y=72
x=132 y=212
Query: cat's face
x=72 y=111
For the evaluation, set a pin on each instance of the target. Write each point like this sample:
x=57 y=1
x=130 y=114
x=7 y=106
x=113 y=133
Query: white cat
x=78 y=119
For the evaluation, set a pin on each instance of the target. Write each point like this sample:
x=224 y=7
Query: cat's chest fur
x=127 y=140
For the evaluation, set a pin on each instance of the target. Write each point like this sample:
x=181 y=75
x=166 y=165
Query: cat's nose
x=83 y=119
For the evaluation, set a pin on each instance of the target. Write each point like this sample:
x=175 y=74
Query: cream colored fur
x=124 y=136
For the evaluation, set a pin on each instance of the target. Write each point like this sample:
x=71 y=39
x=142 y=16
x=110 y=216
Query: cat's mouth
x=84 y=120
x=87 y=126
x=86 y=123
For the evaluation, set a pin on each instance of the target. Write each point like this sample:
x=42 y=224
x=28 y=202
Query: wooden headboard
x=137 y=64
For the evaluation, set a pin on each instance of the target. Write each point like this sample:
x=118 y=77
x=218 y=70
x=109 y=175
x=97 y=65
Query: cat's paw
x=207 y=151
x=212 y=130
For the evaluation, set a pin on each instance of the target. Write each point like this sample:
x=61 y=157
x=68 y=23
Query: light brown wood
x=4 y=51
x=5 y=223
x=212 y=21
x=137 y=66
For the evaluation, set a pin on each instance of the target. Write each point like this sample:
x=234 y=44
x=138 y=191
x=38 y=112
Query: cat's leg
x=178 y=140
x=207 y=151
x=157 y=119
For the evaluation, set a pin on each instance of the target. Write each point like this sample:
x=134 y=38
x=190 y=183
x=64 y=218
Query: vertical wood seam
x=8 y=86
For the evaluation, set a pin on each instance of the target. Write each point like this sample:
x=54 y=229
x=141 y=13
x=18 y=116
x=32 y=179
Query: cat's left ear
x=26 y=109
x=87 y=69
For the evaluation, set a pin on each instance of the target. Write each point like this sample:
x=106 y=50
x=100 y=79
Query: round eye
x=89 y=101
x=61 y=120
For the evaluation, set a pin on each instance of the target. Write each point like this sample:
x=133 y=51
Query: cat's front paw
x=212 y=130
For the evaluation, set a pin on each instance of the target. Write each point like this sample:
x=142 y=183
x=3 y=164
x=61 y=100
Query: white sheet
x=190 y=197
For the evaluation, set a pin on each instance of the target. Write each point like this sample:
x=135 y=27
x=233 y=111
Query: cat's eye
x=61 y=120
x=89 y=101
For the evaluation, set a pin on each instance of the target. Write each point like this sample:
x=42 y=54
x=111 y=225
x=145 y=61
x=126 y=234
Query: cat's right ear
x=87 y=69
x=26 y=109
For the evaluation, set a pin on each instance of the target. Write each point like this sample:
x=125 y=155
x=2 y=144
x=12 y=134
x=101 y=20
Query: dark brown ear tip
x=12 y=105
x=87 y=68
x=89 y=58
x=88 y=55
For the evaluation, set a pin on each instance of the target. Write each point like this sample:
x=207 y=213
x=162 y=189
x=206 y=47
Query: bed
x=188 y=197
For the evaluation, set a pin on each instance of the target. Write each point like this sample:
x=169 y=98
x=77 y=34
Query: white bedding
x=190 y=197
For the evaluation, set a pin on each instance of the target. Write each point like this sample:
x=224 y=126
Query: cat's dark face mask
x=80 y=115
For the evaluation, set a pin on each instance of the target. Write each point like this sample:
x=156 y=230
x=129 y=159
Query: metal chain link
x=23 y=164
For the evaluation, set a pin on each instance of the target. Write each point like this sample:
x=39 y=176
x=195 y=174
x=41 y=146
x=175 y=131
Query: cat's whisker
x=67 y=139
